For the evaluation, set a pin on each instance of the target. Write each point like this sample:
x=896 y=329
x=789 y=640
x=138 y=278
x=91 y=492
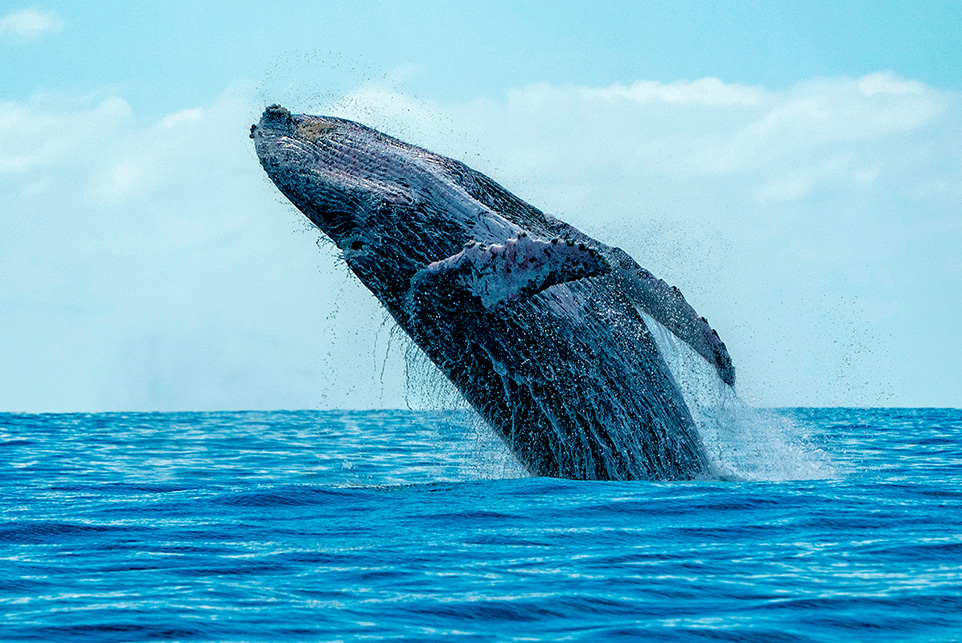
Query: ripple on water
x=237 y=526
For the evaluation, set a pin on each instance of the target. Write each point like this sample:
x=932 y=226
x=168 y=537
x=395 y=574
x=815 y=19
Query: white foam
x=742 y=442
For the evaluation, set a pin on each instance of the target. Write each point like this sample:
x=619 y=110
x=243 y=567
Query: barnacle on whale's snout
x=313 y=129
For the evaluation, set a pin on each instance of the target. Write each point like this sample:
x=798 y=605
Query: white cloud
x=814 y=116
x=812 y=224
x=786 y=188
x=150 y=263
x=705 y=91
x=153 y=156
x=37 y=137
x=29 y=23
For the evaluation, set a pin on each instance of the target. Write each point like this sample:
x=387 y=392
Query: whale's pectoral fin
x=518 y=268
x=668 y=307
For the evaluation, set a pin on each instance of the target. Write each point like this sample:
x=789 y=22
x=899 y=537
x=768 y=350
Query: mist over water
x=742 y=442
x=426 y=387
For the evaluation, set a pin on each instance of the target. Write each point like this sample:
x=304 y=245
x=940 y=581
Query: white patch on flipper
x=520 y=267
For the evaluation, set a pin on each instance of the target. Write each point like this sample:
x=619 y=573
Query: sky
x=795 y=170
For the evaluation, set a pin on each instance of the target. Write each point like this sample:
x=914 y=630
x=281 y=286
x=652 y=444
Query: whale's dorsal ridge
x=520 y=267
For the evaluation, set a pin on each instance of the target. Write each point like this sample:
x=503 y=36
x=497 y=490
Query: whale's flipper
x=518 y=268
x=667 y=305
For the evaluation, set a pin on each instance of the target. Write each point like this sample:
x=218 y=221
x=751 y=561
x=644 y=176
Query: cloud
x=653 y=147
x=813 y=117
x=151 y=157
x=813 y=224
x=29 y=23
x=149 y=264
x=38 y=137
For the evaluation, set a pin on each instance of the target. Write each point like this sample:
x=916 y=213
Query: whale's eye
x=357 y=245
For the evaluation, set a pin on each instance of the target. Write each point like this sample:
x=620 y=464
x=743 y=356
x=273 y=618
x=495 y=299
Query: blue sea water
x=303 y=526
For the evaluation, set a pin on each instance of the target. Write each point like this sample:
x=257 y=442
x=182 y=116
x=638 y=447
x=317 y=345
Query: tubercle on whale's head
x=380 y=200
x=316 y=164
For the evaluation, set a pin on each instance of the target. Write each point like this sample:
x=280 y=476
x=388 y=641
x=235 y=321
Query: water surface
x=407 y=525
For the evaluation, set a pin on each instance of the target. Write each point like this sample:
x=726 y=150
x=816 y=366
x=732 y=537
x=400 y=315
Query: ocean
x=834 y=525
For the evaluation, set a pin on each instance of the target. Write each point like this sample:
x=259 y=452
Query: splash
x=486 y=457
x=742 y=442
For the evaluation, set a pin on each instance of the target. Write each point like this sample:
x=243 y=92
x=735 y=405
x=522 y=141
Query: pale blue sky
x=163 y=55
x=794 y=167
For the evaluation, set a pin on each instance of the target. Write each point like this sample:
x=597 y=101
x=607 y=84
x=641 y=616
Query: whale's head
x=390 y=207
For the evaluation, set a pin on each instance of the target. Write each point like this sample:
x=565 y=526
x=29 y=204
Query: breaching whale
x=540 y=327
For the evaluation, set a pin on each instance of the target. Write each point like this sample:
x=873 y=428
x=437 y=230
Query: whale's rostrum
x=538 y=325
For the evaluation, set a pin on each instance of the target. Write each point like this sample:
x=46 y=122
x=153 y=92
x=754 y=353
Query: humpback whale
x=540 y=327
